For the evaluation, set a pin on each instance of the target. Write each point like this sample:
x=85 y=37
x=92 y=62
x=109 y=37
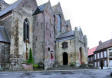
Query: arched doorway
x=65 y=58
x=80 y=55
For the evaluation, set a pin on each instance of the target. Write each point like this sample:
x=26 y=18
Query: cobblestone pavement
x=80 y=73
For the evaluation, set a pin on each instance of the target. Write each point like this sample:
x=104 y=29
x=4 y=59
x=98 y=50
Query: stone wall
x=38 y=38
x=4 y=56
x=70 y=51
x=18 y=46
x=76 y=50
x=49 y=37
x=44 y=37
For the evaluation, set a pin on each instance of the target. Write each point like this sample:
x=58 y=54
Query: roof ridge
x=10 y=7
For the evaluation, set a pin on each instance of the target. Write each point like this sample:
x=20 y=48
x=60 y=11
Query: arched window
x=26 y=30
x=64 y=45
x=58 y=22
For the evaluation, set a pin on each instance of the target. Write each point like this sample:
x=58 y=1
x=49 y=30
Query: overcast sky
x=93 y=16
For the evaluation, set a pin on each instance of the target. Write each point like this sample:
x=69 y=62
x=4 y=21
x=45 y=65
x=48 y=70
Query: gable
x=57 y=9
x=44 y=7
x=19 y=5
x=27 y=6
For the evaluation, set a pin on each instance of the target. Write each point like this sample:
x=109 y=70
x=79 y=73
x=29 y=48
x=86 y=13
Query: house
x=103 y=52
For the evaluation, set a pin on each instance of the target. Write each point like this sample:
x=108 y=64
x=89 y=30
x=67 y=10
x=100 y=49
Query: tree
x=30 y=59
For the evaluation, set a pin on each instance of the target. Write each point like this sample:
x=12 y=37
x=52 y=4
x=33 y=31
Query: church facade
x=24 y=25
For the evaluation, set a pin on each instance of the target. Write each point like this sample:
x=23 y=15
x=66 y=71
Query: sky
x=93 y=16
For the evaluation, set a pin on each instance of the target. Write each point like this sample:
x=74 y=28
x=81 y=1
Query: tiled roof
x=104 y=45
x=67 y=34
x=10 y=7
x=3 y=35
x=91 y=51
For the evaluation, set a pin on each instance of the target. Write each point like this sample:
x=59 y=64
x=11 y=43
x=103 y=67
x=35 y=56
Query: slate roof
x=104 y=45
x=67 y=34
x=3 y=35
x=10 y=8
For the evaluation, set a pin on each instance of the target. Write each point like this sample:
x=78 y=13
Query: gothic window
x=64 y=45
x=58 y=23
x=26 y=30
x=0 y=7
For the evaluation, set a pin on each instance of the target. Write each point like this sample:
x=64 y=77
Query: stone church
x=24 y=25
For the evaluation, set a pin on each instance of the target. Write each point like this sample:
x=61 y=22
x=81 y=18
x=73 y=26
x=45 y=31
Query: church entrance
x=80 y=55
x=65 y=58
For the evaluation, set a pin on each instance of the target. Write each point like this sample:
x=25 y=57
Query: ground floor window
x=105 y=63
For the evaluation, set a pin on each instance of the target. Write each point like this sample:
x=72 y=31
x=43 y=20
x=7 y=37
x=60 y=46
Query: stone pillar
x=84 y=55
x=76 y=38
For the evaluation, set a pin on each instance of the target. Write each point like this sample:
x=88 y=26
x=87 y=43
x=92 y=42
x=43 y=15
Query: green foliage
x=72 y=64
x=30 y=59
x=35 y=65
x=40 y=65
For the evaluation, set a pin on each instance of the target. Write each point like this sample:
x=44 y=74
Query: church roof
x=104 y=45
x=3 y=35
x=67 y=34
x=10 y=7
